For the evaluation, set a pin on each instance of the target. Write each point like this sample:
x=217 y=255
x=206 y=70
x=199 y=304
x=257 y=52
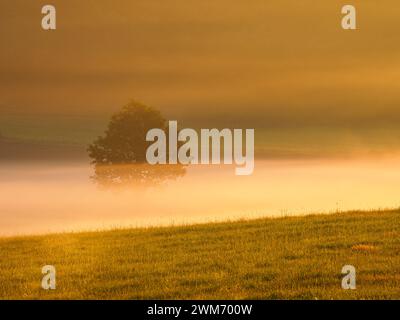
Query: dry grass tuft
x=364 y=248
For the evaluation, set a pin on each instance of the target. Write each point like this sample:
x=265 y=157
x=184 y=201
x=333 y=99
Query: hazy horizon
x=323 y=98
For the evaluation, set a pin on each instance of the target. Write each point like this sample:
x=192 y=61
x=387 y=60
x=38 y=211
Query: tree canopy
x=119 y=156
x=124 y=141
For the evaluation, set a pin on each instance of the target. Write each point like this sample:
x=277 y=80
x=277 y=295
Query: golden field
x=272 y=258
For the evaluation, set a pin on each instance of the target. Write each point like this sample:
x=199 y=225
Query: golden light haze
x=272 y=63
x=61 y=198
x=313 y=92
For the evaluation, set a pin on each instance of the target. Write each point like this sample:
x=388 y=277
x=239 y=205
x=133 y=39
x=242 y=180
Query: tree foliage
x=124 y=141
x=119 y=156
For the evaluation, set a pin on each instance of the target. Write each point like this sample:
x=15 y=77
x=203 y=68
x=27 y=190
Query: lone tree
x=119 y=156
x=124 y=141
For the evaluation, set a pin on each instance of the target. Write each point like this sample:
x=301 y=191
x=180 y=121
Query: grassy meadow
x=277 y=258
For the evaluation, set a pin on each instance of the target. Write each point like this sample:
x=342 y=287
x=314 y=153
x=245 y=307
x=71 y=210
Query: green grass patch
x=283 y=258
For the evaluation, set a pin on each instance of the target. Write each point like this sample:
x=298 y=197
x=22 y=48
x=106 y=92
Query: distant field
x=67 y=136
x=283 y=258
x=14 y=150
x=52 y=129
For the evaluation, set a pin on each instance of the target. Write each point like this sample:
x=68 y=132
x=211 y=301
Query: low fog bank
x=38 y=198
